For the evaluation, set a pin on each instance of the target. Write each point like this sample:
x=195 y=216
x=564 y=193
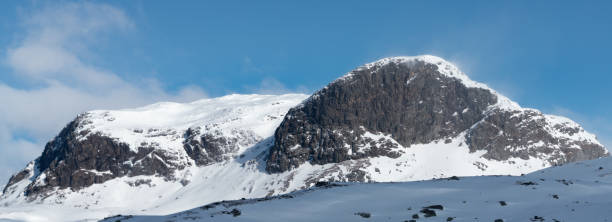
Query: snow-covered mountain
x=573 y=192
x=397 y=119
x=420 y=100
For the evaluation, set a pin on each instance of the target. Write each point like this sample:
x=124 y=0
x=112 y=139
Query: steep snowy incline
x=574 y=192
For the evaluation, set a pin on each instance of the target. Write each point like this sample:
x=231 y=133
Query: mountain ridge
x=179 y=156
x=419 y=100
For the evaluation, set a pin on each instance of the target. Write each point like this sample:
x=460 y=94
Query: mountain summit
x=420 y=100
x=397 y=119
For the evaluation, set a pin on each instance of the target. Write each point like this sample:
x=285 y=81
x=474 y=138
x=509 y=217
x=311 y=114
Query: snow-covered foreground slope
x=574 y=192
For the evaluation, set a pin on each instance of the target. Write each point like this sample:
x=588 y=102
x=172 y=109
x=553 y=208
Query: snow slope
x=246 y=178
x=574 y=192
x=257 y=113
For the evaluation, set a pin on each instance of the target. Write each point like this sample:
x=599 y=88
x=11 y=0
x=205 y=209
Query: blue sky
x=58 y=59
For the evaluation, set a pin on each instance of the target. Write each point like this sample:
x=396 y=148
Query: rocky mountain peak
x=158 y=140
x=419 y=100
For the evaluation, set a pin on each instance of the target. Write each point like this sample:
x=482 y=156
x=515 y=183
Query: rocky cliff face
x=103 y=145
x=419 y=100
x=78 y=158
x=527 y=133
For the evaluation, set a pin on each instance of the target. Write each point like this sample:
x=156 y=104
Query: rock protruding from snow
x=157 y=140
x=69 y=161
x=527 y=133
x=419 y=100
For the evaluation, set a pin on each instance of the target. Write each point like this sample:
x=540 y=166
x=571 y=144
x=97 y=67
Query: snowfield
x=574 y=192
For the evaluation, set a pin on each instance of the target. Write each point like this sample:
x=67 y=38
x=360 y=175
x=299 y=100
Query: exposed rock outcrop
x=419 y=100
x=529 y=133
x=212 y=146
x=161 y=141
x=77 y=159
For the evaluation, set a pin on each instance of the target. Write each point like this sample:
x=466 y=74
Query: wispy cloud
x=249 y=67
x=272 y=86
x=52 y=53
x=268 y=85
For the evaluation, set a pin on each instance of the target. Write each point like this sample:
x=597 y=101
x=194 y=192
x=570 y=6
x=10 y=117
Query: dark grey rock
x=206 y=150
x=234 y=212
x=212 y=146
x=436 y=207
x=505 y=134
x=70 y=162
x=330 y=123
x=414 y=103
x=428 y=212
x=363 y=214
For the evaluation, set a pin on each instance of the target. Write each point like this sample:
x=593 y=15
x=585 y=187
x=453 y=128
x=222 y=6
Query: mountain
x=161 y=139
x=397 y=119
x=420 y=100
x=573 y=192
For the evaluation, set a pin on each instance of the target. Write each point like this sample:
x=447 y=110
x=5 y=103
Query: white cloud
x=271 y=86
x=56 y=39
x=40 y=60
x=51 y=53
